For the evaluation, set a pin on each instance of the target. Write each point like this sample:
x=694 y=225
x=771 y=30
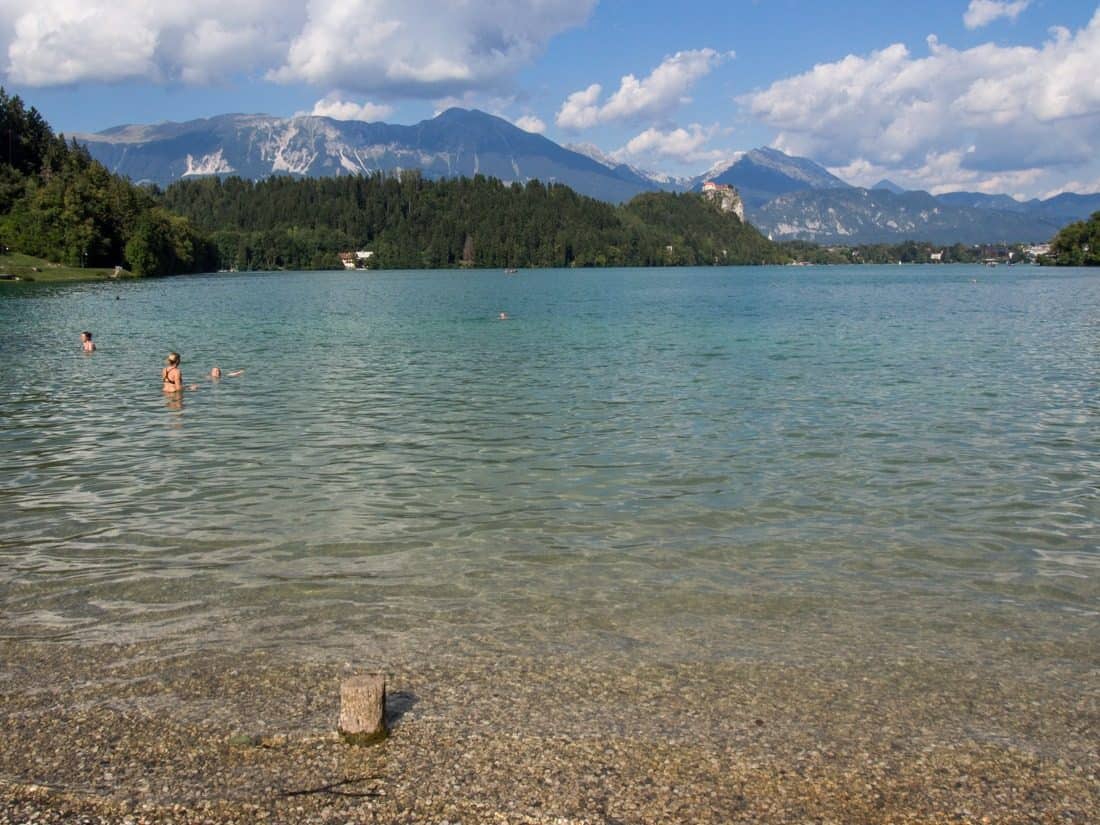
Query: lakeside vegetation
x=1077 y=244
x=60 y=205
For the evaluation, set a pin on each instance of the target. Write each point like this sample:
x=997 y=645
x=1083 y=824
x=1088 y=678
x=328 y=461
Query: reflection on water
x=700 y=463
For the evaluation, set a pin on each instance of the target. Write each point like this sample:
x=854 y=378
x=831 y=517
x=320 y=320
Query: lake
x=773 y=464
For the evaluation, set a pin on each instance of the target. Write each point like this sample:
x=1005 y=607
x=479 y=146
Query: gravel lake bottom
x=126 y=734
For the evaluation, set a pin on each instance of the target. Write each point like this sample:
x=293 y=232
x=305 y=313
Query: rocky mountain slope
x=652 y=180
x=763 y=174
x=790 y=198
x=456 y=143
x=856 y=216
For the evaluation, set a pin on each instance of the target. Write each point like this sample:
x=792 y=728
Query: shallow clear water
x=698 y=463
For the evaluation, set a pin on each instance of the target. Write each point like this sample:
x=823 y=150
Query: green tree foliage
x=688 y=230
x=166 y=244
x=411 y=222
x=1077 y=244
x=57 y=203
x=26 y=140
x=906 y=252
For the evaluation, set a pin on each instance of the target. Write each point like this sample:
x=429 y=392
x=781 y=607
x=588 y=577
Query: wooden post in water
x=363 y=709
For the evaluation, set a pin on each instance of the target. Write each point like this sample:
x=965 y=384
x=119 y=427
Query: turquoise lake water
x=689 y=463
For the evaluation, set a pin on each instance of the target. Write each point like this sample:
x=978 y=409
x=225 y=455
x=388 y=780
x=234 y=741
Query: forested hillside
x=1077 y=244
x=697 y=231
x=58 y=204
x=410 y=222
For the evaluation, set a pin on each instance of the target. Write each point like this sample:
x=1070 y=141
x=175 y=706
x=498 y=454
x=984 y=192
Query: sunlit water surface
x=700 y=463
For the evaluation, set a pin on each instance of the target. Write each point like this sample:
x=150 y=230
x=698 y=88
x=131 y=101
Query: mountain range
x=785 y=197
x=455 y=143
x=853 y=216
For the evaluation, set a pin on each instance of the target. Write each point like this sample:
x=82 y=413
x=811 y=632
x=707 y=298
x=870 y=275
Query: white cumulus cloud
x=531 y=123
x=423 y=47
x=581 y=109
x=418 y=48
x=665 y=88
x=332 y=106
x=983 y=12
x=681 y=145
x=1073 y=185
x=981 y=112
x=53 y=42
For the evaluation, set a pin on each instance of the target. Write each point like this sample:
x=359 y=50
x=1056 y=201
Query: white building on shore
x=357 y=259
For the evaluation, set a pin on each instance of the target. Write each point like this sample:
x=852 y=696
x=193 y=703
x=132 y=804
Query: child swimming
x=217 y=373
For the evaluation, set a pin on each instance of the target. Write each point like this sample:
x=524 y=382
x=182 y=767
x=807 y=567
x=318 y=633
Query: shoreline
x=57 y=274
x=25 y=269
x=117 y=731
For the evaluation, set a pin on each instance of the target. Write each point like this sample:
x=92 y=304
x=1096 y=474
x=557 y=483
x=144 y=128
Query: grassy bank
x=18 y=268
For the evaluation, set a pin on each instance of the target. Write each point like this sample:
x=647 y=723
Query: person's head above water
x=173 y=359
x=85 y=336
x=216 y=372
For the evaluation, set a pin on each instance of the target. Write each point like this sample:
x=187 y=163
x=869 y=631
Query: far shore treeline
x=408 y=221
x=59 y=205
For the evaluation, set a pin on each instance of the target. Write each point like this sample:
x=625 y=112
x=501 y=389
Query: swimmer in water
x=217 y=373
x=503 y=316
x=171 y=375
x=86 y=342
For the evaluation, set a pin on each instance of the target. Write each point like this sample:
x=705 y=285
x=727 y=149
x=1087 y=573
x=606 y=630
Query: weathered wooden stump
x=363 y=709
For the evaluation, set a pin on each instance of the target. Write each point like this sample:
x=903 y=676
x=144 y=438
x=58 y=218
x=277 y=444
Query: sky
x=996 y=96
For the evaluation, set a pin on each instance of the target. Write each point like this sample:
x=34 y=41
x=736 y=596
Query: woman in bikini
x=171 y=375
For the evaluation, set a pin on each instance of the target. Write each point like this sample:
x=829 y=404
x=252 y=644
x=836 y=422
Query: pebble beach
x=122 y=734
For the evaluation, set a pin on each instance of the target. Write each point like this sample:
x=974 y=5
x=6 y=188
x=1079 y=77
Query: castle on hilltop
x=726 y=197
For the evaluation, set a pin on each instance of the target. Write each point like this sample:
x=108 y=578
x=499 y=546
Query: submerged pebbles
x=120 y=734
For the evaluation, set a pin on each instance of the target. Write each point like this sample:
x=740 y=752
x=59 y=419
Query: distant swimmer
x=216 y=373
x=86 y=342
x=503 y=316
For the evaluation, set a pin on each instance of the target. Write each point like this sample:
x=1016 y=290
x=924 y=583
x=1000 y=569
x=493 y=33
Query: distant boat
x=510 y=271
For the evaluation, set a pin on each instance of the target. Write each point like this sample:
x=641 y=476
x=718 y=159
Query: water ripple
x=661 y=460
